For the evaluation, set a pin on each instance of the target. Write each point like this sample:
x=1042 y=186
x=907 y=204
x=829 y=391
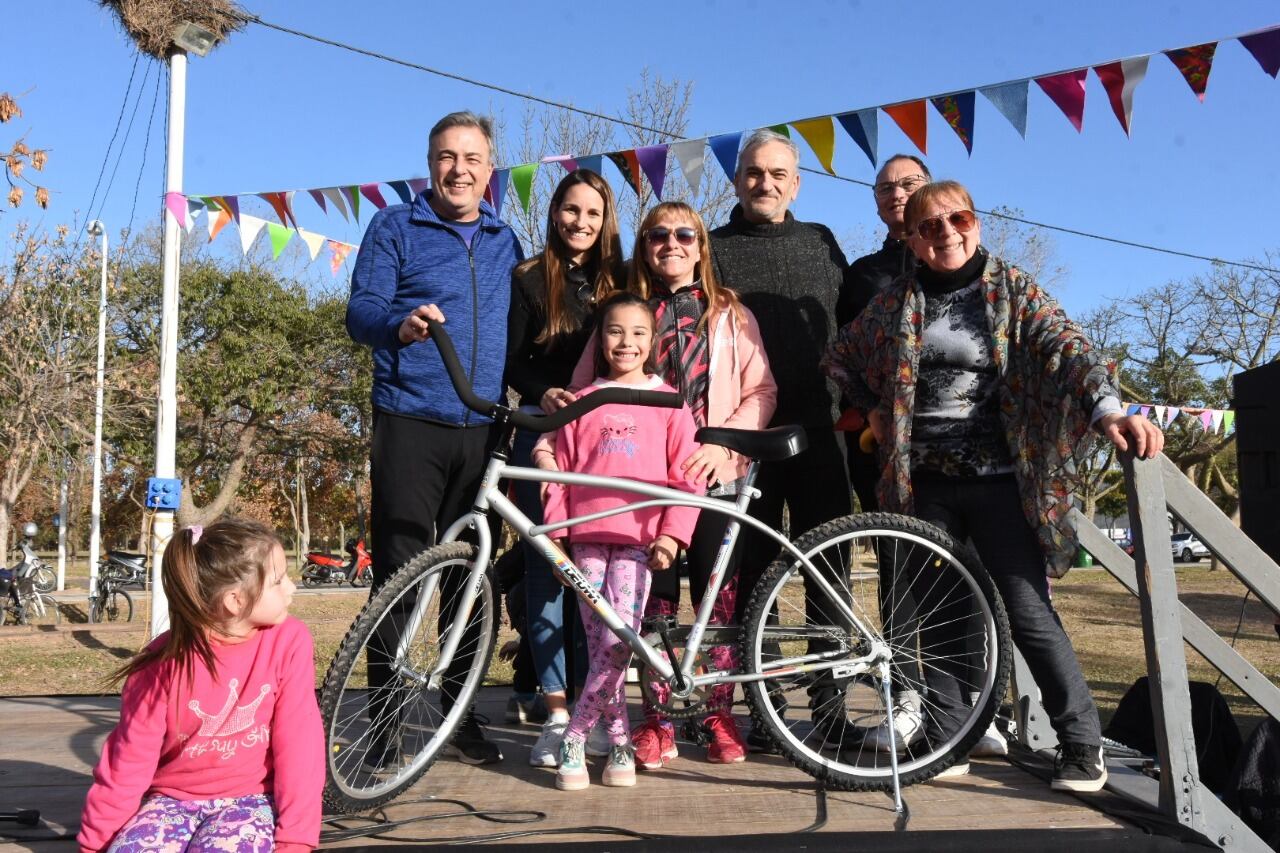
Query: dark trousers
x=864 y=473
x=988 y=512
x=700 y=557
x=814 y=488
x=424 y=477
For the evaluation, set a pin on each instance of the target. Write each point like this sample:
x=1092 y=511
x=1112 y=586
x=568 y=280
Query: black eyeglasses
x=961 y=220
x=908 y=185
x=659 y=236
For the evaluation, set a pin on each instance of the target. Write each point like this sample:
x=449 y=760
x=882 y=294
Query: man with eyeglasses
x=901 y=175
x=789 y=273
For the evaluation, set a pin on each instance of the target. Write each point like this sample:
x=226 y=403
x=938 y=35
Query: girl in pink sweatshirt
x=219 y=745
x=617 y=553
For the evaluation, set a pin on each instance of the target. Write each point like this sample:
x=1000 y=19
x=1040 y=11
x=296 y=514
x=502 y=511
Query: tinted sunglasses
x=658 y=236
x=961 y=220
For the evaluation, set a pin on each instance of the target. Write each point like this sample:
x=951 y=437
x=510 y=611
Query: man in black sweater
x=901 y=175
x=789 y=273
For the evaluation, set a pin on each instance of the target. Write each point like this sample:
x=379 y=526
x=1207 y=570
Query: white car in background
x=1187 y=548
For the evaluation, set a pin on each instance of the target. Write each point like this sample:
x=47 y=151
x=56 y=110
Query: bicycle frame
x=682 y=683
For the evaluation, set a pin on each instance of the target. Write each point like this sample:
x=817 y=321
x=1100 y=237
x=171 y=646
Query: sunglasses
x=961 y=220
x=908 y=185
x=658 y=236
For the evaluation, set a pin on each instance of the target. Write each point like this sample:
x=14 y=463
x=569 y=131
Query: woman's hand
x=702 y=464
x=1120 y=430
x=662 y=553
x=556 y=398
x=414 y=327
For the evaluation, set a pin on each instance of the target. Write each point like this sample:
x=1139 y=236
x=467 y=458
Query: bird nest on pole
x=152 y=23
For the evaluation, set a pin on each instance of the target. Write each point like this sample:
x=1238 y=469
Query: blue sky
x=269 y=111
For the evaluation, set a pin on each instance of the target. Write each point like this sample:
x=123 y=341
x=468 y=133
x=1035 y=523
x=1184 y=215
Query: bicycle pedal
x=659 y=624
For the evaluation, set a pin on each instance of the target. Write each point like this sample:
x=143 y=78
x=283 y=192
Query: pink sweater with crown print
x=253 y=729
x=637 y=442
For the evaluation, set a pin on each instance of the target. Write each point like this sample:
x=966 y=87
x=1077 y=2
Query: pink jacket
x=643 y=443
x=741 y=392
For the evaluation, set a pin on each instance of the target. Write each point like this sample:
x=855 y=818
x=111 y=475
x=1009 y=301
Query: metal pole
x=62 y=526
x=96 y=228
x=167 y=409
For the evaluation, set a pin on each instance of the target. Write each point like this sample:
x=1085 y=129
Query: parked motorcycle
x=322 y=568
x=41 y=573
x=128 y=567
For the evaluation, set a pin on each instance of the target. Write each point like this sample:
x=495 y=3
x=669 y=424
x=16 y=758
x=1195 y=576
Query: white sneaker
x=958 y=769
x=598 y=744
x=992 y=744
x=546 y=750
x=909 y=724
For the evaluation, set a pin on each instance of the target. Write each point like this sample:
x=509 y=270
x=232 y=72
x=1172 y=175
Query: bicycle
x=109 y=602
x=23 y=603
x=440 y=610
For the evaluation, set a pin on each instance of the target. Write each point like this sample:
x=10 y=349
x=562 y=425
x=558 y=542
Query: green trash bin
x=1084 y=559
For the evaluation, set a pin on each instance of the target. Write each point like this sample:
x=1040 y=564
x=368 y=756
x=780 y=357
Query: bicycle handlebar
x=541 y=423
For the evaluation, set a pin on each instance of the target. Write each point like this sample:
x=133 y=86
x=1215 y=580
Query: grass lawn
x=1101 y=617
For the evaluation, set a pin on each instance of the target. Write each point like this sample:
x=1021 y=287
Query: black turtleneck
x=789 y=274
x=934 y=281
x=871 y=274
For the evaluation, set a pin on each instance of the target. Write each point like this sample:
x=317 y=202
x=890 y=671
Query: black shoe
x=1079 y=767
x=470 y=746
x=835 y=731
x=758 y=740
x=382 y=756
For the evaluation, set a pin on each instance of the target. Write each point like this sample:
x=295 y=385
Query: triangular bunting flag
x=313 y=240
x=781 y=130
x=864 y=128
x=821 y=136
x=1159 y=415
x=334 y=194
x=653 y=162
x=280 y=237
x=211 y=202
x=522 y=177
x=278 y=204
x=1120 y=79
x=957 y=110
x=371 y=192
x=176 y=203
x=1067 y=91
x=1228 y=420
x=911 y=118
x=691 y=154
x=1133 y=409
x=496 y=192
x=250 y=228
x=319 y=199
x=418 y=185
x=193 y=209
x=1011 y=100
x=1206 y=420
x=338 y=254
x=401 y=189
x=1194 y=63
x=231 y=203
x=592 y=162
x=570 y=164
x=628 y=166
x=217 y=223
x=1264 y=47
x=725 y=147
x=1173 y=412
x=1145 y=411
x=1217 y=419
x=352 y=195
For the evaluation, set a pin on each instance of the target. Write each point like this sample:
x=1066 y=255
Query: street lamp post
x=97 y=229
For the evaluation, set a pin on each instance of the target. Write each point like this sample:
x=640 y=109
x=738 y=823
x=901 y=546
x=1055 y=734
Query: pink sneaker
x=727 y=746
x=655 y=745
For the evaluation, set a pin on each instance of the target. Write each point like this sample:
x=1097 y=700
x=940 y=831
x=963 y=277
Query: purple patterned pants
x=239 y=825
x=620 y=573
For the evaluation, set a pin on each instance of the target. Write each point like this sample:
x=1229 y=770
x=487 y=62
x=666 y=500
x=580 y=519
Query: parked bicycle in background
x=41 y=573
x=22 y=602
x=109 y=602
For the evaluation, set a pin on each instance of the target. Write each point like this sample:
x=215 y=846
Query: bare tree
x=1032 y=249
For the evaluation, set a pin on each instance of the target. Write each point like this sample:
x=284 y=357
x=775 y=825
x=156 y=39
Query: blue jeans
x=548 y=622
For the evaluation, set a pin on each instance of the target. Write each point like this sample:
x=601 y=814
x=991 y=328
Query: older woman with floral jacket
x=981 y=393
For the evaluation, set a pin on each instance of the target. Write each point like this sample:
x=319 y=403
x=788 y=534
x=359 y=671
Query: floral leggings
x=239 y=825
x=620 y=573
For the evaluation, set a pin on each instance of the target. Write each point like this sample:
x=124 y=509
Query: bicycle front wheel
x=44 y=579
x=386 y=716
x=918 y=594
x=113 y=606
x=39 y=609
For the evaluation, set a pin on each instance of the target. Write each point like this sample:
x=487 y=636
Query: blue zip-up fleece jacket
x=411 y=257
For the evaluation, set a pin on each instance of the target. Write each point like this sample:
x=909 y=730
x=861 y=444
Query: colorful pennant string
x=1067 y=91
x=862 y=127
x=1120 y=79
x=1194 y=63
x=957 y=111
x=911 y=119
x=821 y=136
x=1011 y=100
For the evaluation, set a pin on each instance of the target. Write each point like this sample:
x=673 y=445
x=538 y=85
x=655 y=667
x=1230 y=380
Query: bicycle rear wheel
x=115 y=605
x=40 y=609
x=925 y=597
x=384 y=723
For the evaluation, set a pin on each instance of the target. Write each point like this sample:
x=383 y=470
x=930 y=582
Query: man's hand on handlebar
x=414 y=327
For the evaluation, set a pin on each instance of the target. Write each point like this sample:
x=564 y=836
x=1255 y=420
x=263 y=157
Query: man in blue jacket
x=449 y=257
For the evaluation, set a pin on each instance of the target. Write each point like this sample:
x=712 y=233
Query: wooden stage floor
x=50 y=744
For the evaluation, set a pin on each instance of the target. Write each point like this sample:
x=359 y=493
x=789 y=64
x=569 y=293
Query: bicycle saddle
x=767 y=445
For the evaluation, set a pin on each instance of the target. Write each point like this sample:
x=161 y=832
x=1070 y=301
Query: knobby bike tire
x=44 y=579
x=931 y=577
x=113 y=606
x=420 y=730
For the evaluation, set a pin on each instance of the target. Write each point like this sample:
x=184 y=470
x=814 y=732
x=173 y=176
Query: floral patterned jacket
x=1050 y=379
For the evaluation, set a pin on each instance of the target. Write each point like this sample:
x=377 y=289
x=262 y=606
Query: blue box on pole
x=163 y=493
